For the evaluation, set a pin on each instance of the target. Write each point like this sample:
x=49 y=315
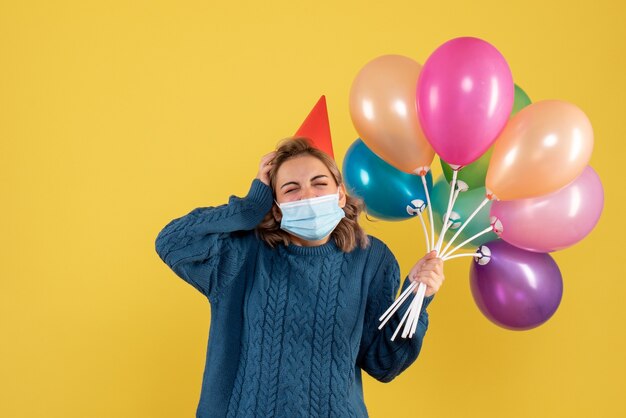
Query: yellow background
x=116 y=117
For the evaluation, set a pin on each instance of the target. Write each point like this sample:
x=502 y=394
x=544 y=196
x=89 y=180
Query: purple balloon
x=465 y=95
x=554 y=221
x=514 y=288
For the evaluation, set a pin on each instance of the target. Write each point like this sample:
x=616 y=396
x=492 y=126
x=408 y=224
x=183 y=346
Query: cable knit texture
x=291 y=327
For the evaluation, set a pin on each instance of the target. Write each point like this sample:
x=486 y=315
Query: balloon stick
x=483 y=232
x=441 y=235
x=394 y=307
x=462 y=255
x=425 y=233
x=418 y=208
x=415 y=311
x=430 y=210
x=393 y=337
x=411 y=311
x=451 y=200
x=467 y=221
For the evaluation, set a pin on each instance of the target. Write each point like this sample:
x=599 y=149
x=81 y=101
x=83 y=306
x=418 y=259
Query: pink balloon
x=554 y=221
x=465 y=95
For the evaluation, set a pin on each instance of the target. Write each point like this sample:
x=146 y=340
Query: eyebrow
x=312 y=179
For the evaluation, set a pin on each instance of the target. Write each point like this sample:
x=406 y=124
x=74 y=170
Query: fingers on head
x=267 y=158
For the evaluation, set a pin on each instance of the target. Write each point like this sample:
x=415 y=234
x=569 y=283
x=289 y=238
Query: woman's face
x=305 y=177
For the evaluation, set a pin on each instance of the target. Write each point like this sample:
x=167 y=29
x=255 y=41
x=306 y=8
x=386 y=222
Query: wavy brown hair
x=347 y=234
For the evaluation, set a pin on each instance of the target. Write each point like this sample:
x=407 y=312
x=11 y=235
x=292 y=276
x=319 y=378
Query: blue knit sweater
x=291 y=327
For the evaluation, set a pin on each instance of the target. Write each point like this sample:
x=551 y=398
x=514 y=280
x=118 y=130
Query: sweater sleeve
x=206 y=247
x=380 y=357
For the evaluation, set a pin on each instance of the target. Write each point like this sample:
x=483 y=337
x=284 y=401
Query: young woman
x=296 y=288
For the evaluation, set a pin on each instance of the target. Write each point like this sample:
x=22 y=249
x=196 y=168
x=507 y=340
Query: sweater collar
x=324 y=249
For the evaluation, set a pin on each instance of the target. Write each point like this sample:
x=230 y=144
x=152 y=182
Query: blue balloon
x=385 y=190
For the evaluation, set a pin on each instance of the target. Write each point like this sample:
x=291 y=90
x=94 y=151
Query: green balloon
x=521 y=100
x=465 y=204
x=474 y=174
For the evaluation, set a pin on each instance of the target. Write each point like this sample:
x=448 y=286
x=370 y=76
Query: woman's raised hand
x=264 y=167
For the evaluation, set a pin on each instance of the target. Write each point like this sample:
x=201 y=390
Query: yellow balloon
x=541 y=149
x=384 y=113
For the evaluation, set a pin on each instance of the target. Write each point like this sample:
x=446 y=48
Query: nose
x=308 y=193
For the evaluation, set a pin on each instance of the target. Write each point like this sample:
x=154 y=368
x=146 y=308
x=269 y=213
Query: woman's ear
x=342 y=195
x=278 y=216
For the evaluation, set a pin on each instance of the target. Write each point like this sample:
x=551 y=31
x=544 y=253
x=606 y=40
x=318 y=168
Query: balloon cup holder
x=485 y=255
x=418 y=207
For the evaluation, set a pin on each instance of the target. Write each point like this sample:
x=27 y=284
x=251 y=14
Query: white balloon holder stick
x=467 y=221
x=430 y=213
x=444 y=256
x=462 y=255
x=396 y=305
x=451 y=200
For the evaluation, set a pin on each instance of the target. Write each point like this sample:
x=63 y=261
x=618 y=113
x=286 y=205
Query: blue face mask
x=311 y=219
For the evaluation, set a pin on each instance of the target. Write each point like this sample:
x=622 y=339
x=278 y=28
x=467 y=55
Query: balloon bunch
x=516 y=182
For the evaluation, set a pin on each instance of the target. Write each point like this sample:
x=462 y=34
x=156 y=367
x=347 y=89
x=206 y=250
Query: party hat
x=317 y=129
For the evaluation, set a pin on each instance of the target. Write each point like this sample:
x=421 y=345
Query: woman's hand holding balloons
x=428 y=270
